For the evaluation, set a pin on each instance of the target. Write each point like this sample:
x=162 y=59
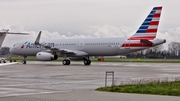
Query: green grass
x=145 y=60
x=158 y=88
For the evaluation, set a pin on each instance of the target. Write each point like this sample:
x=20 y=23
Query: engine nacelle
x=45 y=56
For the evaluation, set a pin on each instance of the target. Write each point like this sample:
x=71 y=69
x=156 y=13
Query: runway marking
x=41 y=92
x=4 y=64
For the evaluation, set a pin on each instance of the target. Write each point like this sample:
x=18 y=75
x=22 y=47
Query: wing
x=60 y=51
x=72 y=52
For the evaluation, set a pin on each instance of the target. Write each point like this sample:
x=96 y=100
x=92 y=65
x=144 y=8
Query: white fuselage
x=91 y=46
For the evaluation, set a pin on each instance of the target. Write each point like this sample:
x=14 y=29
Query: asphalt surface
x=51 y=81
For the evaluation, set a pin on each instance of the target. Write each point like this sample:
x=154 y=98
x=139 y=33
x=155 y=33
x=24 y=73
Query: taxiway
x=54 y=82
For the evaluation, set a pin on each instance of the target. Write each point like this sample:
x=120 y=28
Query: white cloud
x=110 y=31
x=171 y=35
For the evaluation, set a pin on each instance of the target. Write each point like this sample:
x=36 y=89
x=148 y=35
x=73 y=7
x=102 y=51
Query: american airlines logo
x=24 y=44
x=32 y=45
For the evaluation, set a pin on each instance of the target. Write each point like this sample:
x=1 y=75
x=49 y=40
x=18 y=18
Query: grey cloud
x=92 y=31
x=84 y=18
x=171 y=35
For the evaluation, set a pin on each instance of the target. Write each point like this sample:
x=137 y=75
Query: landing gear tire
x=66 y=62
x=87 y=62
x=24 y=62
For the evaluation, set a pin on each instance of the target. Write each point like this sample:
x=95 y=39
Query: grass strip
x=158 y=88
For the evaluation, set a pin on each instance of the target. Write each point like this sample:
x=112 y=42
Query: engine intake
x=45 y=56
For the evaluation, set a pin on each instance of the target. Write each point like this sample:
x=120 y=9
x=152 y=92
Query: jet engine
x=45 y=56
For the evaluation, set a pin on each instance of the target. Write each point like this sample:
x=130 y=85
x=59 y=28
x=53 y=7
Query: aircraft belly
x=101 y=51
x=30 y=52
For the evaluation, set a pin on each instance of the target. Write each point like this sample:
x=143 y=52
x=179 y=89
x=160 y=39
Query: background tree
x=173 y=48
x=4 y=50
x=154 y=52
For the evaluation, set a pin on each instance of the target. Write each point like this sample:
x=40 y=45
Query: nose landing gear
x=24 y=60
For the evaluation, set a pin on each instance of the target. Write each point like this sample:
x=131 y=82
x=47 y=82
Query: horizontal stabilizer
x=6 y=31
x=145 y=41
x=18 y=33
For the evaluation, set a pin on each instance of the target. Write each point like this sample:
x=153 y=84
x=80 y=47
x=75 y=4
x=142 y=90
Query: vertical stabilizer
x=2 y=37
x=149 y=27
x=3 y=34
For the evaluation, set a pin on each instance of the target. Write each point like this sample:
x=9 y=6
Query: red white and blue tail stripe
x=146 y=33
x=149 y=27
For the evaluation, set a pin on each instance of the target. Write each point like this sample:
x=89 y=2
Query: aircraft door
x=81 y=45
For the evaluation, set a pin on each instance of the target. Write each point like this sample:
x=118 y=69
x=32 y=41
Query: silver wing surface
x=66 y=52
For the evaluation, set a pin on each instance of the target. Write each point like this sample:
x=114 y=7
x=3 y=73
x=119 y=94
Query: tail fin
x=148 y=28
x=4 y=32
x=2 y=37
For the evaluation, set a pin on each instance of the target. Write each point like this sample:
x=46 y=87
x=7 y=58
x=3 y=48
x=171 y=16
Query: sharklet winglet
x=37 y=39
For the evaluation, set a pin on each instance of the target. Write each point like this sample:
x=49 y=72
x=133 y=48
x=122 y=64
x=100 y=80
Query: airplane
x=82 y=49
x=3 y=34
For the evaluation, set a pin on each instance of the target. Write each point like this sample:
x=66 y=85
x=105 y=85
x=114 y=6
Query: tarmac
x=51 y=81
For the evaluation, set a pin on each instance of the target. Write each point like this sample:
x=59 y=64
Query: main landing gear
x=87 y=61
x=66 y=62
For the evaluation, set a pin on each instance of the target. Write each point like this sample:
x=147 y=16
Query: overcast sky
x=85 y=18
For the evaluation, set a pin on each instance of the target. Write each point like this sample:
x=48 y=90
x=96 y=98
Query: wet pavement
x=37 y=79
